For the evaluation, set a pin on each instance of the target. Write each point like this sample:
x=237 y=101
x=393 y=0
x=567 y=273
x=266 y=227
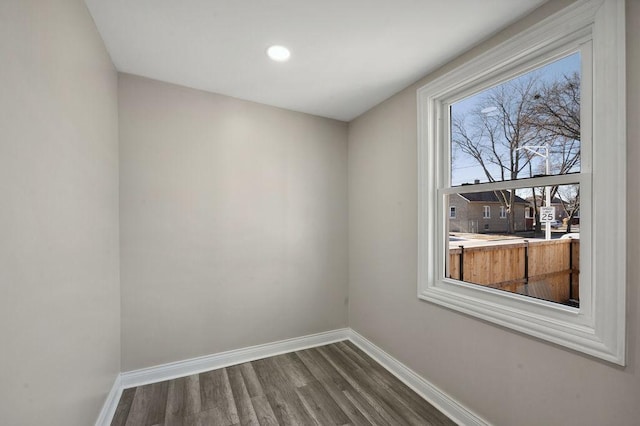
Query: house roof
x=488 y=197
x=539 y=200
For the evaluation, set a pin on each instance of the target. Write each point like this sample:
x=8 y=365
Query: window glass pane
x=525 y=127
x=513 y=253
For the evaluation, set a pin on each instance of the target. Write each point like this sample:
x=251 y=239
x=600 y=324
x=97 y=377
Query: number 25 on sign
x=547 y=214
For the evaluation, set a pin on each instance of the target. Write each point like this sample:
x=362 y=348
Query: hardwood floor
x=336 y=384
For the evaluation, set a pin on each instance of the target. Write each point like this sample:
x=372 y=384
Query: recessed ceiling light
x=279 y=53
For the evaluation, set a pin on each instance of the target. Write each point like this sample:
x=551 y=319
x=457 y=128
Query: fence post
x=526 y=267
x=461 y=263
x=570 y=268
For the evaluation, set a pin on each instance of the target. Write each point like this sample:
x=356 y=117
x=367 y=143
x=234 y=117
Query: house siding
x=469 y=216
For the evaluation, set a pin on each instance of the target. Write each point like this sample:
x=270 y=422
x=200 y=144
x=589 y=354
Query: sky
x=465 y=169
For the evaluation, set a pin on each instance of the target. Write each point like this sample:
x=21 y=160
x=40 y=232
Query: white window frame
x=486 y=212
x=452 y=209
x=503 y=212
x=597 y=327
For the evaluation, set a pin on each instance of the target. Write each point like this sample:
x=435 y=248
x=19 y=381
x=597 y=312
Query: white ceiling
x=346 y=55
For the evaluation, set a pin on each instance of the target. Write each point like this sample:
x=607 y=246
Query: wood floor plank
x=338 y=362
x=271 y=376
x=321 y=405
x=176 y=409
x=207 y=387
x=317 y=364
x=374 y=415
x=402 y=392
x=251 y=380
x=264 y=412
x=296 y=370
x=392 y=397
x=244 y=406
x=139 y=408
x=340 y=358
x=208 y=418
x=363 y=360
x=193 y=399
x=158 y=406
x=362 y=388
x=410 y=399
x=123 y=408
x=142 y=406
x=289 y=409
x=216 y=394
x=386 y=399
x=353 y=350
x=357 y=414
x=393 y=385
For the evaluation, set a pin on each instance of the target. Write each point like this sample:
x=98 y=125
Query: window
x=486 y=212
x=452 y=212
x=551 y=72
x=527 y=212
x=511 y=135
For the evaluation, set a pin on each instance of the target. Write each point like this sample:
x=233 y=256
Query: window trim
x=597 y=328
x=452 y=209
x=503 y=212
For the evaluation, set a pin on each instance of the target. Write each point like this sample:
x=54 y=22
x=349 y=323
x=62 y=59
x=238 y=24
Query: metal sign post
x=533 y=149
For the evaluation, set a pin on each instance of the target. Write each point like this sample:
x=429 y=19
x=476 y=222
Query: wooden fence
x=547 y=270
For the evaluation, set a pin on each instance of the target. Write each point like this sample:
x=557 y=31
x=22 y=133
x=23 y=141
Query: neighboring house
x=481 y=212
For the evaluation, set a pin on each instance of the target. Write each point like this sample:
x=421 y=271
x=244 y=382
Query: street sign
x=547 y=214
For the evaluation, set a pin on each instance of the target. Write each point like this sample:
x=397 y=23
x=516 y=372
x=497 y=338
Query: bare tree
x=522 y=112
x=555 y=109
x=569 y=196
x=492 y=133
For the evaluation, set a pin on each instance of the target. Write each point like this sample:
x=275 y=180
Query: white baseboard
x=110 y=404
x=187 y=367
x=443 y=402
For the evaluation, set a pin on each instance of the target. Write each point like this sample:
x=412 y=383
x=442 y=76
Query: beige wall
x=506 y=377
x=59 y=285
x=233 y=223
